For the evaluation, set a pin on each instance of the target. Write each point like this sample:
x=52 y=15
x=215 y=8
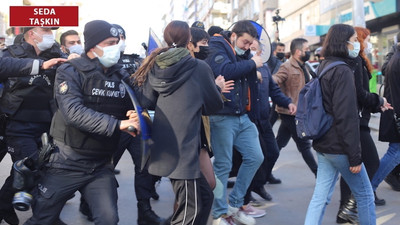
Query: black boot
x=348 y=212
x=273 y=180
x=146 y=216
x=262 y=193
x=379 y=201
x=154 y=194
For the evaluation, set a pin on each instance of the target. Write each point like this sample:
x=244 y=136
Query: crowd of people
x=80 y=95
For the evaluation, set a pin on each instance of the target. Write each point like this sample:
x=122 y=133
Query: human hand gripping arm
x=52 y=62
x=226 y=86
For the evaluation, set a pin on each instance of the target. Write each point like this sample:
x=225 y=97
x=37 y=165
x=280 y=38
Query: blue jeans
x=329 y=167
x=388 y=162
x=239 y=132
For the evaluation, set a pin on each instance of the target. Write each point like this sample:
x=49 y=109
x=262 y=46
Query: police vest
x=130 y=62
x=102 y=94
x=28 y=98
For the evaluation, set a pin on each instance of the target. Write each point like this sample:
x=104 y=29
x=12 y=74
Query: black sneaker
x=379 y=201
x=273 y=180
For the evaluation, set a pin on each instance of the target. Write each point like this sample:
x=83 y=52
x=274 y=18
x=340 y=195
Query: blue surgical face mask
x=46 y=43
x=78 y=49
x=356 y=49
x=110 y=56
x=239 y=51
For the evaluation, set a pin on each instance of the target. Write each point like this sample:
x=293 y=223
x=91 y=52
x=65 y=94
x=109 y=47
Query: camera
x=277 y=18
x=24 y=174
x=22 y=201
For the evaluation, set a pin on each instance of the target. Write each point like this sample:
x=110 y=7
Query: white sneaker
x=253 y=212
x=224 y=221
x=240 y=217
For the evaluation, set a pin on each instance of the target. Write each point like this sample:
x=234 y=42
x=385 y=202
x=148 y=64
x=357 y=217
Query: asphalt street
x=288 y=207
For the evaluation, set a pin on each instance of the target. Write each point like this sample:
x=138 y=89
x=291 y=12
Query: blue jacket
x=267 y=88
x=224 y=61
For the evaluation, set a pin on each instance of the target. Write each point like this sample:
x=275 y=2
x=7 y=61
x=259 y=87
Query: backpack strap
x=328 y=67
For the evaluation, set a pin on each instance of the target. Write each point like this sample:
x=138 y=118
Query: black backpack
x=312 y=121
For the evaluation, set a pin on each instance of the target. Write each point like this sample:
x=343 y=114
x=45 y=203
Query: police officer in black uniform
x=92 y=111
x=27 y=101
x=13 y=67
x=130 y=62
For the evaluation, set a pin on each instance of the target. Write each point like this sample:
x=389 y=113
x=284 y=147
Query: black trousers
x=56 y=186
x=396 y=171
x=18 y=148
x=270 y=150
x=370 y=158
x=144 y=182
x=193 y=199
x=286 y=131
x=273 y=115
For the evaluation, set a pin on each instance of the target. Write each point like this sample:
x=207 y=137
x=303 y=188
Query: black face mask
x=203 y=53
x=280 y=55
x=306 y=56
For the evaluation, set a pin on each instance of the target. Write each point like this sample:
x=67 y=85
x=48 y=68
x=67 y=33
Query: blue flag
x=154 y=42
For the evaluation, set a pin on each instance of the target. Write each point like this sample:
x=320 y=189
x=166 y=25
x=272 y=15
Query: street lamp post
x=358 y=13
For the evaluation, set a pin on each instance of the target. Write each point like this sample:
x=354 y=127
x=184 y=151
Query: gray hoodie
x=180 y=94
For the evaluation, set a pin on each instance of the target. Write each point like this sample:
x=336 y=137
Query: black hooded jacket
x=340 y=101
x=180 y=94
x=387 y=128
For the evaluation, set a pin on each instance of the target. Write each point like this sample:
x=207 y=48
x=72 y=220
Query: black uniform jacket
x=387 y=127
x=340 y=101
x=18 y=67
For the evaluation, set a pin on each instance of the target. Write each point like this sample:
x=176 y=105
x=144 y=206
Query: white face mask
x=110 y=56
x=356 y=49
x=368 y=50
x=253 y=53
x=46 y=43
x=122 y=45
x=78 y=49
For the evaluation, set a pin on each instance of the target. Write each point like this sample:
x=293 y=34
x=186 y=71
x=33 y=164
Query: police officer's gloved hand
x=397 y=122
